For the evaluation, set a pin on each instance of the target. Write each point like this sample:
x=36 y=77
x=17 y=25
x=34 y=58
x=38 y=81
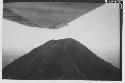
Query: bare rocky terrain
x=50 y=15
x=64 y=59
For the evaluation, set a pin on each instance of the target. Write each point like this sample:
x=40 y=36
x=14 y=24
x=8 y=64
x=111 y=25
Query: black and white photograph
x=62 y=40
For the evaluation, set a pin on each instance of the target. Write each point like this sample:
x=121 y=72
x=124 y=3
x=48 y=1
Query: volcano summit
x=64 y=59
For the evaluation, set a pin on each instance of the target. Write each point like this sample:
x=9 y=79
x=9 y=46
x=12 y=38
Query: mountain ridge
x=61 y=59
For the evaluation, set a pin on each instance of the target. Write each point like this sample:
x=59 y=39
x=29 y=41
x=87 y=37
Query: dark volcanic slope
x=61 y=59
x=50 y=15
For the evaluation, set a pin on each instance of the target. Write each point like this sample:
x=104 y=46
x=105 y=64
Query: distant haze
x=98 y=30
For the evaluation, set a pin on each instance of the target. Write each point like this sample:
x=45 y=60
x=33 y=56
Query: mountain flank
x=64 y=59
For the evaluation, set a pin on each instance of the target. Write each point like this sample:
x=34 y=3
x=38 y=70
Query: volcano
x=64 y=59
x=49 y=15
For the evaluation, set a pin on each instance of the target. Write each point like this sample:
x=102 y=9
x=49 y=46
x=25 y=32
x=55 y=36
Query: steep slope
x=61 y=59
x=50 y=15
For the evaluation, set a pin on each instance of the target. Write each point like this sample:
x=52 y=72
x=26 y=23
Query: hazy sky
x=98 y=30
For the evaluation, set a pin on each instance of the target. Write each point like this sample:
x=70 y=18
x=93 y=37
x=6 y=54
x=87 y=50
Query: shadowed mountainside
x=64 y=59
x=50 y=15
